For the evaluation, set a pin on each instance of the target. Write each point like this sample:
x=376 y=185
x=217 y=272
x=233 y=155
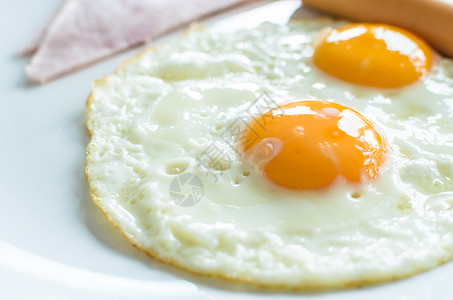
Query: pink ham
x=32 y=44
x=85 y=31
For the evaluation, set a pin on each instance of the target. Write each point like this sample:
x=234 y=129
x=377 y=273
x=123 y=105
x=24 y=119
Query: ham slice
x=32 y=44
x=85 y=31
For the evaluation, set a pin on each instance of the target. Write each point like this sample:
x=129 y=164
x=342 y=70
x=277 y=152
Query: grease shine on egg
x=348 y=181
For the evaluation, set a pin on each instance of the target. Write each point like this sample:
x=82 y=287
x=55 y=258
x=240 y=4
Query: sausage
x=432 y=20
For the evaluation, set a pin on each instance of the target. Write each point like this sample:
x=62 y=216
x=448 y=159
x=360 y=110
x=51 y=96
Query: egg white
x=160 y=112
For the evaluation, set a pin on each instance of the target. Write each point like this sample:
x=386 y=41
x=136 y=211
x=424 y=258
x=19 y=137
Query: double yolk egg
x=309 y=144
x=347 y=180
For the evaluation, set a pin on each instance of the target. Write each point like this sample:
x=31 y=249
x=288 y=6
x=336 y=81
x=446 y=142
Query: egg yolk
x=375 y=55
x=308 y=144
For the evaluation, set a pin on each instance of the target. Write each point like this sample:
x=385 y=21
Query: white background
x=54 y=243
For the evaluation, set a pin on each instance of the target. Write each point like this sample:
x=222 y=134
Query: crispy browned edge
x=303 y=287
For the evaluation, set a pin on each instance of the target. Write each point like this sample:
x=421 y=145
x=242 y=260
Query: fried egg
x=285 y=156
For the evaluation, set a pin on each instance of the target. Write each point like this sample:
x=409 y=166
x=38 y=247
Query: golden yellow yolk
x=375 y=55
x=308 y=144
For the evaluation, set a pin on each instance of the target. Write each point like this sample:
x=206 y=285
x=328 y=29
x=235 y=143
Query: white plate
x=54 y=243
